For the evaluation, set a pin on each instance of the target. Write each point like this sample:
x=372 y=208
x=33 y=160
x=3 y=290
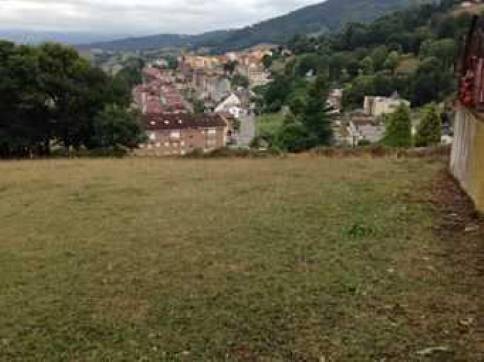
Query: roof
x=171 y=121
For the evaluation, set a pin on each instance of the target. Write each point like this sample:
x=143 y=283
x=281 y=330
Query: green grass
x=277 y=259
x=269 y=123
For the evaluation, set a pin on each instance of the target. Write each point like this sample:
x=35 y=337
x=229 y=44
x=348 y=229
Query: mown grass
x=276 y=259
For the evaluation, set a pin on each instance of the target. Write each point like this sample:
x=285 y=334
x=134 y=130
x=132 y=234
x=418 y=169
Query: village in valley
x=202 y=105
x=197 y=106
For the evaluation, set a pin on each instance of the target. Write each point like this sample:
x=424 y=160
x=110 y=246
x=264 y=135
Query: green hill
x=327 y=16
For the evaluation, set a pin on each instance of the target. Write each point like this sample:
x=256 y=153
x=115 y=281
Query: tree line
x=411 y=51
x=52 y=98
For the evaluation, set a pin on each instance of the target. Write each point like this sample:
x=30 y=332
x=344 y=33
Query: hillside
x=161 y=41
x=241 y=260
x=327 y=16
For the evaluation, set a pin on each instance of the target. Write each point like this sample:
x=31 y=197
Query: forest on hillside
x=412 y=52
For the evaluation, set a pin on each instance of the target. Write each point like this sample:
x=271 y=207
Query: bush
x=399 y=128
x=430 y=129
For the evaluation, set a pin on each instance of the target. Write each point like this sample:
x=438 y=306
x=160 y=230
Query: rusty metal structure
x=471 y=67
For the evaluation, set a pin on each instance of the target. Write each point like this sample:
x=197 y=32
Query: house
x=363 y=128
x=232 y=104
x=467 y=157
x=179 y=134
x=237 y=106
x=377 y=106
x=254 y=71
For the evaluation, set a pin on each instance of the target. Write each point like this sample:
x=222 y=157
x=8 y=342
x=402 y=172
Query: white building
x=232 y=104
x=377 y=106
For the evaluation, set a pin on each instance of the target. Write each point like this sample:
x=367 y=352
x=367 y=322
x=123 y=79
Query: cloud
x=140 y=16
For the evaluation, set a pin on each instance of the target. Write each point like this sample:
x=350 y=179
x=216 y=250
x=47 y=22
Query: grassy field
x=302 y=258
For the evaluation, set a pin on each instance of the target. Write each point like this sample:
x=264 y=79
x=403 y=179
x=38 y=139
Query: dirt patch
x=461 y=229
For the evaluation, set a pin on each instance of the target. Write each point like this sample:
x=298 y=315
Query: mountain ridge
x=330 y=15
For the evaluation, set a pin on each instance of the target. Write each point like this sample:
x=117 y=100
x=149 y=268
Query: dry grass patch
x=231 y=259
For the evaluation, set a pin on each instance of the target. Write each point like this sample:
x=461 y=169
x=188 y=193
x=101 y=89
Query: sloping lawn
x=304 y=258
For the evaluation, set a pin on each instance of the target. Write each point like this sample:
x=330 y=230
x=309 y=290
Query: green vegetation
x=306 y=125
x=289 y=259
x=268 y=123
x=410 y=51
x=49 y=95
x=327 y=16
x=398 y=131
x=429 y=131
x=239 y=80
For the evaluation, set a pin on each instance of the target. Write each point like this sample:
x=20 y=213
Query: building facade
x=377 y=106
x=180 y=134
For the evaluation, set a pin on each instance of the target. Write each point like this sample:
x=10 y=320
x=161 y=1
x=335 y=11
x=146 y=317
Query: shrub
x=399 y=128
x=429 y=131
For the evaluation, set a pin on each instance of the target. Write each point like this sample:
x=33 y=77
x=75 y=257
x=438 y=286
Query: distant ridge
x=36 y=37
x=327 y=16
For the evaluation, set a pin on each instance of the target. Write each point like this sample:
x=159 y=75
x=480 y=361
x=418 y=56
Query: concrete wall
x=467 y=159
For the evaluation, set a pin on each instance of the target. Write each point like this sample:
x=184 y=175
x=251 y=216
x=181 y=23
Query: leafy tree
x=115 y=126
x=198 y=106
x=239 y=80
x=430 y=83
x=429 y=131
x=379 y=55
x=367 y=66
x=314 y=117
x=276 y=93
x=49 y=94
x=398 y=131
x=444 y=49
x=310 y=62
x=392 y=61
x=292 y=136
x=230 y=67
x=267 y=61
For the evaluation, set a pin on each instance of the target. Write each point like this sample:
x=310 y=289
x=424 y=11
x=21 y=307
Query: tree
x=379 y=55
x=392 y=61
x=230 y=67
x=314 y=117
x=267 y=60
x=239 y=80
x=431 y=83
x=367 y=66
x=398 y=131
x=50 y=95
x=276 y=93
x=198 y=106
x=292 y=136
x=115 y=126
x=429 y=131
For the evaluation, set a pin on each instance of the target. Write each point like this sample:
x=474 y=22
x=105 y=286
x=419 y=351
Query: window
x=152 y=136
x=212 y=132
x=167 y=144
x=158 y=145
x=175 y=134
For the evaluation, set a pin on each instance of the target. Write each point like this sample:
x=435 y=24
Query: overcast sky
x=140 y=16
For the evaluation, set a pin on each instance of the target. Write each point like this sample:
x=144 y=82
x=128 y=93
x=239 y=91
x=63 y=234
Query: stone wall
x=467 y=158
